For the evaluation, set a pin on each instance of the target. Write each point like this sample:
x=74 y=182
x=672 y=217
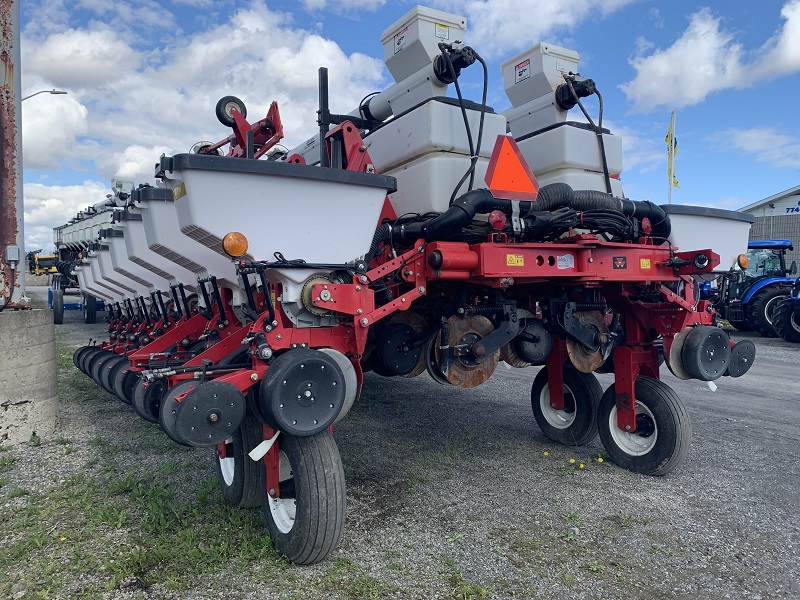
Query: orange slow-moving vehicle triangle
x=508 y=175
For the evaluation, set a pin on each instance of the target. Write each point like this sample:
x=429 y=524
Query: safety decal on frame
x=644 y=263
x=400 y=40
x=515 y=260
x=441 y=31
x=565 y=262
x=522 y=71
x=620 y=262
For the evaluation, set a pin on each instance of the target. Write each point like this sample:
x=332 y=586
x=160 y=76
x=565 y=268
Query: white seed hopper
x=93 y=264
x=108 y=274
x=86 y=282
x=319 y=215
x=131 y=223
x=115 y=239
x=726 y=232
x=163 y=237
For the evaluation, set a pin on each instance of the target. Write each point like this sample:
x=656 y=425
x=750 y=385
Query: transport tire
x=307 y=519
x=58 y=306
x=576 y=424
x=762 y=306
x=786 y=320
x=240 y=478
x=663 y=433
x=89 y=309
x=224 y=107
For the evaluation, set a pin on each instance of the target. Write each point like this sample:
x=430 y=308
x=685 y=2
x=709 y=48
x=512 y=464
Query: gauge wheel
x=306 y=515
x=240 y=478
x=576 y=423
x=663 y=433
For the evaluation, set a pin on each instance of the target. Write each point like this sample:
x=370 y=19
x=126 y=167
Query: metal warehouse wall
x=779 y=227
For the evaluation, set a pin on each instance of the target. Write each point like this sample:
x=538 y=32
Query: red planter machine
x=452 y=259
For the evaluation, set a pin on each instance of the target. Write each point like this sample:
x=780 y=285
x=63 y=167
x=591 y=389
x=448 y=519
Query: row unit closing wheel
x=576 y=423
x=786 y=320
x=306 y=515
x=240 y=478
x=663 y=433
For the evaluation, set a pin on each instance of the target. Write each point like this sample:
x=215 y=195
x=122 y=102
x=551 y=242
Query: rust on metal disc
x=465 y=372
x=582 y=358
x=507 y=352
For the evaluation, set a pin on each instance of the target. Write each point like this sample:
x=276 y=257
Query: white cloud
x=707 y=59
x=344 y=5
x=498 y=27
x=50 y=126
x=767 y=144
x=80 y=58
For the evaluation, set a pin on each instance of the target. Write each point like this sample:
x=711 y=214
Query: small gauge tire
x=224 y=107
x=576 y=424
x=240 y=478
x=664 y=432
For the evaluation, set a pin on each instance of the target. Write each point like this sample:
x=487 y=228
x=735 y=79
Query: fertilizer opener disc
x=419 y=324
x=582 y=358
x=465 y=372
x=210 y=413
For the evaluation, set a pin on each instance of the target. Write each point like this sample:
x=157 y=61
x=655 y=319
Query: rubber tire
x=585 y=391
x=320 y=498
x=787 y=321
x=83 y=360
x=223 y=116
x=764 y=300
x=247 y=476
x=673 y=428
x=94 y=363
x=89 y=309
x=123 y=383
x=58 y=306
x=78 y=355
x=107 y=372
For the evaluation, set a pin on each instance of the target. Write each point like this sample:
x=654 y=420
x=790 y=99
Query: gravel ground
x=456 y=494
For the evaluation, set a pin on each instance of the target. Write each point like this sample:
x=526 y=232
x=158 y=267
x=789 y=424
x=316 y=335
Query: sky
x=143 y=78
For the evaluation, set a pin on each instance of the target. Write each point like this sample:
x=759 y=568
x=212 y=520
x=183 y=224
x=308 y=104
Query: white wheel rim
x=227 y=466
x=634 y=443
x=560 y=419
x=283 y=509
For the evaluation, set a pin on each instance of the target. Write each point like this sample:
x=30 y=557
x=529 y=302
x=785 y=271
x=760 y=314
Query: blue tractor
x=786 y=317
x=748 y=295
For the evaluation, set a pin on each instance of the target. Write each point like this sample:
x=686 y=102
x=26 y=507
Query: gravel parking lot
x=451 y=494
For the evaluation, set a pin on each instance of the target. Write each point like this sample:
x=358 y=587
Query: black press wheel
x=89 y=309
x=78 y=355
x=663 y=433
x=146 y=399
x=84 y=359
x=762 y=306
x=107 y=373
x=306 y=519
x=786 y=320
x=240 y=478
x=225 y=108
x=124 y=383
x=576 y=424
x=94 y=365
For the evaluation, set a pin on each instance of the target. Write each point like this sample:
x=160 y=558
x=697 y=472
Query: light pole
x=44 y=92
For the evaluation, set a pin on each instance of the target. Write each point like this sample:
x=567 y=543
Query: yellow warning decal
x=515 y=260
x=644 y=263
x=179 y=192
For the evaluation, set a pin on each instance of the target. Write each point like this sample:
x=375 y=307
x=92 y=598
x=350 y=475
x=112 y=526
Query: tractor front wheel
x=786 y=320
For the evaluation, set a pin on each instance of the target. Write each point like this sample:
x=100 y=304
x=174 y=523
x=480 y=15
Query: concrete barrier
x=28 y=377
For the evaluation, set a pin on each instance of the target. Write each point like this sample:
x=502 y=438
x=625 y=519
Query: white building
x=778 y=218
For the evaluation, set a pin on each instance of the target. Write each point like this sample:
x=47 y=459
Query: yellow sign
x=515 y=260
x=179 y=192
x=644 y=263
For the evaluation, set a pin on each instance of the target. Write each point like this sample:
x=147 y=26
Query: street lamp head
x=44 y=92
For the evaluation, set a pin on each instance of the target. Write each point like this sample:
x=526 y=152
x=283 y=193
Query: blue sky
x=143 y=78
